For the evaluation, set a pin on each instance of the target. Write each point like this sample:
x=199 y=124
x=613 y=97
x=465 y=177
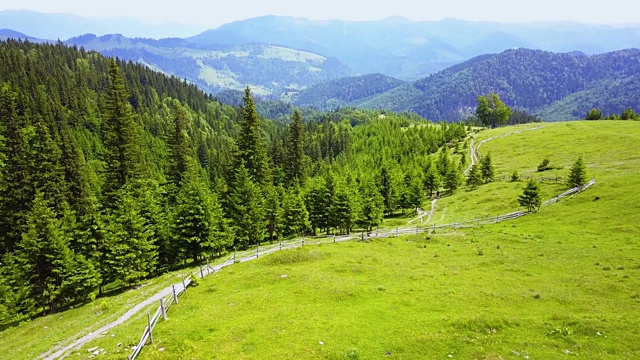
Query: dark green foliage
x=246 y=210
x=594 y=114
x=131 y=253
x=492 y=111
x=474 y=178
x=578 y=174
x=294 y=171
x=43 y=258
x=372 y=205
x=545 y=165
x=530 y=197
x=295 y=218
x=486 y=168
x=432 y=180
x=273 y=211
x=515 y=176
x=121 y=138
x=251 y=145
x=628 y=114
x=453 y=178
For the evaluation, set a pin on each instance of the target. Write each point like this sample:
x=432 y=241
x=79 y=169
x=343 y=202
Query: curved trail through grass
x=58 y=352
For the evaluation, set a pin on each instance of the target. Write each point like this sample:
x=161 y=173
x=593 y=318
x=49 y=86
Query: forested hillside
x=111 y=173
x=532 y=80
x=268 y=69
x=341 y=92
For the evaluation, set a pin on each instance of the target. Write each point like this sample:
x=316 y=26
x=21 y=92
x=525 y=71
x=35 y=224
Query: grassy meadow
x=561 y=282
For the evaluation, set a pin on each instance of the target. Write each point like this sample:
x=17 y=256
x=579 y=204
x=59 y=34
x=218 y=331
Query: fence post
x=164 y=311
x=280 y=244
x=396 y=231
x=201 y=273
x=334 y=238
x=257 y=251
x=149 y=322
x=184 y=286
x=234 y=254
x=175 y=296
x=303 y=240
x=497 y=217
x=416 y=230
x=478 y=222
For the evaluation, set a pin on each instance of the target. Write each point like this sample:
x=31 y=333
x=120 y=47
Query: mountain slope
x=340 y=92
x=267 y=69
x=533 y=80
x=410 y=50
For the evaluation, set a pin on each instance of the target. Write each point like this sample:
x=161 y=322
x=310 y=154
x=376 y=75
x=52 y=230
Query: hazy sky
x=213 y=13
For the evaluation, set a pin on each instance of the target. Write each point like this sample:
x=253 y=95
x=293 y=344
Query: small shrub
x=515 y=176
x=382 y=288
x=536 y=296
x=195 y=280
x=606 y=268
x=479 y=251
x=544 y=165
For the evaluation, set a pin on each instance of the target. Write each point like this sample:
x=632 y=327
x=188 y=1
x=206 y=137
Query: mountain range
x=436 y=69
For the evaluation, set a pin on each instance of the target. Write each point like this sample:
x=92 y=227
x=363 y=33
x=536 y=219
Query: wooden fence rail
x=180 y=288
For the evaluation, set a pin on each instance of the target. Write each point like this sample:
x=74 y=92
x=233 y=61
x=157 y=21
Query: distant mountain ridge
x=269 y=70
x=557 y=86
x=410 y=50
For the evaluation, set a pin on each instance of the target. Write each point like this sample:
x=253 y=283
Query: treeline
x=627 y=114
x=111 y=173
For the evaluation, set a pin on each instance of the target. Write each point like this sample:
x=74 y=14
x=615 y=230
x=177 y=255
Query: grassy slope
x=573 y=267
x=32 y=338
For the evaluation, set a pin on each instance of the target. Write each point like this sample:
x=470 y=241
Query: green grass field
x=561 y=282
x=566 y=279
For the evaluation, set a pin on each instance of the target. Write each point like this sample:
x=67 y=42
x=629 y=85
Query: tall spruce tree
x=121 y=138
x=474 y=178
x=294 y=157
x=530 y=197
x=486 y=168
x=43 y=257
x=295 y=217
x=372 y=205
x=246 y=209
x=578 y=174
x=432 y=180
x=251 y=145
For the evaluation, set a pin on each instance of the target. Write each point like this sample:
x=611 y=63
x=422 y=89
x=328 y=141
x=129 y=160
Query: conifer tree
x=452 y=179
x=372 y=205
x=273 y=211
x=474 y=178
x=120 y=137
x=180 y=147
x=432 y=180
x=295 y=217
x=578 y=174
x=530 y=197
x=43 y=256
x=16 y=193
x=294 y=157
x=131 y=252
x=251 y=145
x=317 y=203
x=246 y=209
x=486 y=168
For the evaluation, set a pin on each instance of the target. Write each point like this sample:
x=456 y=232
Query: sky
x=213 y=13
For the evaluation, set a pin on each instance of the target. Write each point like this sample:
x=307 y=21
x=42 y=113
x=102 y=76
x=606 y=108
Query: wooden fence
x=180 y=288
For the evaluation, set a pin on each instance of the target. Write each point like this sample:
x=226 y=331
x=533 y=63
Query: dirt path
x=57 y=352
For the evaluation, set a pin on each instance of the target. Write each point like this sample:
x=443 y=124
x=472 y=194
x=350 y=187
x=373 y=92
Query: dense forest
x=111 y=173
x=554 y=86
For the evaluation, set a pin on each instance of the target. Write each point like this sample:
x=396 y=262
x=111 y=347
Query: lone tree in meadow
x=530 y=197
x=578 y=174
x=474 y=178
x=594 y=114
x=492 y=111
x=486 y=168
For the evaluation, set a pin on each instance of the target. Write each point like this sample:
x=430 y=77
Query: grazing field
x=561 y=282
